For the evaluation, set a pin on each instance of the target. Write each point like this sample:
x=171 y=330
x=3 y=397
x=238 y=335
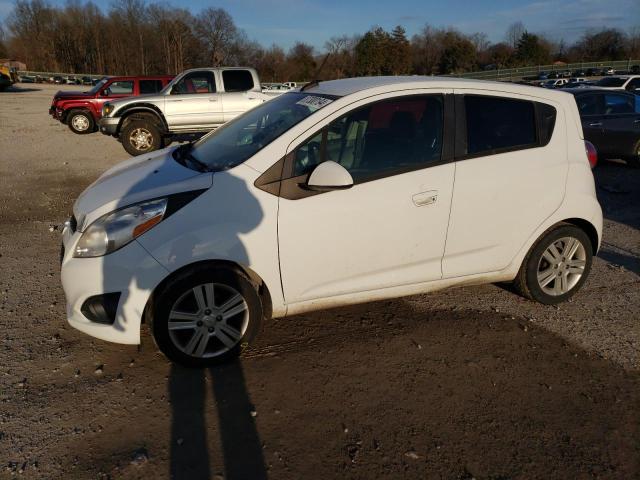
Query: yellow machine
x=7 y=77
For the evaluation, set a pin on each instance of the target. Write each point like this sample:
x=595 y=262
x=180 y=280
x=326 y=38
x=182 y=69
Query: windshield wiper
x=182 y=154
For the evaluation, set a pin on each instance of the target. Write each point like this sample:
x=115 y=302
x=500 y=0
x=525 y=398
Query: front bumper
x=131 y=271
x=109 y=126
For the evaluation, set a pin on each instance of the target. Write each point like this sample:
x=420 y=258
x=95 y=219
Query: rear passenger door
x=238 y=97
x=511 y=167
x=621 y=125
x=149 y=86
x=591 y=108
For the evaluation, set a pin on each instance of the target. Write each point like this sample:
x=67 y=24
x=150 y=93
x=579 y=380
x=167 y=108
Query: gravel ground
x=466 y=383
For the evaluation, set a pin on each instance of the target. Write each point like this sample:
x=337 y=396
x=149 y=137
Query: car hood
x=66 y=95
x=153 y=175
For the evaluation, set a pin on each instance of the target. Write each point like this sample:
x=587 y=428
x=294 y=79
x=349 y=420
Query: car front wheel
x=556 y=266
x=206 y=316
x=140 y=136
x=80 y=122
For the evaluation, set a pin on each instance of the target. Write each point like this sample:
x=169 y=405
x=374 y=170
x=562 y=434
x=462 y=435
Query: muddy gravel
x=467 y=383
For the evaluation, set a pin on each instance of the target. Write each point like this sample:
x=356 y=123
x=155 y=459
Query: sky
x=284 y=22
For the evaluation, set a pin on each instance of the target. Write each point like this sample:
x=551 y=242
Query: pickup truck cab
x=194 y=103
x=82 y=110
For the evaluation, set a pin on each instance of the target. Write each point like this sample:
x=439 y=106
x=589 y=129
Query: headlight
x=107 y=108
x=116 y=229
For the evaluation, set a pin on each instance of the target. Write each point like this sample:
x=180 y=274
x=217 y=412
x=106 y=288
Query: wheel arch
x=261 y=286
x=142 y=111
x=588 y=228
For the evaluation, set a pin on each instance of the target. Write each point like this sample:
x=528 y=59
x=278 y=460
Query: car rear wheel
x=556 y=266
x=140 y=136
x=80 y=122
x=206 y=316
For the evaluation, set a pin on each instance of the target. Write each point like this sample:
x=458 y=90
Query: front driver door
x=194 y=102
x=387 y=230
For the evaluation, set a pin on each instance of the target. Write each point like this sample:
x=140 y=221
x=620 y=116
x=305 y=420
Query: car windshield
x=241 y=138
x=98 y=85
x=611 y=82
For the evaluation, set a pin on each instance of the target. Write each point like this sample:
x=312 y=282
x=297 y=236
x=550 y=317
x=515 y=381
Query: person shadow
x=241 y=446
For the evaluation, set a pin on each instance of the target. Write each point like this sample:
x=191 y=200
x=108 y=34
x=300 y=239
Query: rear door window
x=615 y=104
x=237 y=80
x=590 y=104
x=497 y=124
x=150 y=86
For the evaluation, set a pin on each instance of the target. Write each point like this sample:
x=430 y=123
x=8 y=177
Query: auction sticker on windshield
x=314 y=102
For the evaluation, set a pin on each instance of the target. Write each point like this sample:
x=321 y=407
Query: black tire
x=177 y=294
x=150 y=132
x=527 y=284
x=81 y=122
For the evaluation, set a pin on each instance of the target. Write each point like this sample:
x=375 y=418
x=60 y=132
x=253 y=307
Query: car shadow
x=240 y=443
x=618 y=190
x=14 y=89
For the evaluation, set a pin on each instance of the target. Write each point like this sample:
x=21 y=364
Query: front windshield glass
x=611 y=82
x=241 y=138
x=98 y=85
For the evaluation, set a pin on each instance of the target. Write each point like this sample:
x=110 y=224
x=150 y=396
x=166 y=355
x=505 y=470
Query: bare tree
x=218 y=31
x=514 y=33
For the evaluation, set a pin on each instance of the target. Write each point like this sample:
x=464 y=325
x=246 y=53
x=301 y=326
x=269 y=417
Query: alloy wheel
x=80 y=123
x=208 y=320
x=141 y=139
x=561 y=266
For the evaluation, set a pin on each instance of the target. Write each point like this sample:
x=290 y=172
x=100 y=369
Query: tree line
x=138 y=37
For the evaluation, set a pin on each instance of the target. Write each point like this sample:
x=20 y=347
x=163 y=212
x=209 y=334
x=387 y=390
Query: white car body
x=630 y=83
x=460 y=221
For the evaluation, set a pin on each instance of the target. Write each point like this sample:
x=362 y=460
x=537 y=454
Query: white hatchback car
x=347 y=191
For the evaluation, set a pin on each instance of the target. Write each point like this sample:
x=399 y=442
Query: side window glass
x=616 y=104
x=637 y=103
x=150 y=86
x=195 y=82
x=382 y=139
x=124 y=87
x=237 y=80
x=589 y=104
x=495 y=124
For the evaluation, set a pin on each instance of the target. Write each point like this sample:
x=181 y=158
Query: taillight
x=592 y=153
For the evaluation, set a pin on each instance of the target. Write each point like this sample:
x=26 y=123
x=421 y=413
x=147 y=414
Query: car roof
x=577 y=90
x=349 y=86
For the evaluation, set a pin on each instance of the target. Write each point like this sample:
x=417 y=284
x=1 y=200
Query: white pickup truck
x=194 y=103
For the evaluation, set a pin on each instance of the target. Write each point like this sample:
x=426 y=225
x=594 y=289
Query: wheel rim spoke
x=228 y=335
x=546 y=277
x=174 y=315
x=183 y=325
x=200 y=300
x=241 y=307
x=197 y=343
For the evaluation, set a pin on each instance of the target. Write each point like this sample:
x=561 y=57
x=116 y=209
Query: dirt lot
x=466 y=383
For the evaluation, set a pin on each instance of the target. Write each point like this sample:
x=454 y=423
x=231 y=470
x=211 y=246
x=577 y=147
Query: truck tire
x=140 y=136
x=81 y=122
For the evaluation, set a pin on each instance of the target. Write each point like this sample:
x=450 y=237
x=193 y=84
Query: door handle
x=596 y=124
x=425 y=198
x=175 y=100
x=213 y=99
x=637 y=121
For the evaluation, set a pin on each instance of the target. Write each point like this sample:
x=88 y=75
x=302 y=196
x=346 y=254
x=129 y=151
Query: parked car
x=559 y=83
x=593 y=72
x=290 y=84
x=553 y=75
x=346 y=191
x=58 y=80
x=607 y=71
x=611 y=121
x=82 y=110
x=87 y=81
x=630 y=83
x=194 y=103
x=579 y=73
x=27 y=79
x=575 y=82
x=565 y=74
x=542 y=76
x=635 y=69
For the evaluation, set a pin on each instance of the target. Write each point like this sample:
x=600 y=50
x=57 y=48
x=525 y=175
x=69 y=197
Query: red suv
x=82 y=110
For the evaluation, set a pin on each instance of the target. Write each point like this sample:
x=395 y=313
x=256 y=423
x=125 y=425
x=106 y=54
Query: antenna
x=315 y=80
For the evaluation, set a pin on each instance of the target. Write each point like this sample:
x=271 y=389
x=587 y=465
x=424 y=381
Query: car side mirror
x=328 y=176
x=105 y=92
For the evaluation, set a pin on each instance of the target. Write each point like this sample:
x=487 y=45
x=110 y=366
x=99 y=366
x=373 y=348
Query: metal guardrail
x=511 y=74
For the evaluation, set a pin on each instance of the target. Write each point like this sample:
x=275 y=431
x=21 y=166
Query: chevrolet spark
x=342 y=192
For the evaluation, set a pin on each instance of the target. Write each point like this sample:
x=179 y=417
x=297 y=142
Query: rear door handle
x=213 y=99
x=596 y=124
x=425 y=198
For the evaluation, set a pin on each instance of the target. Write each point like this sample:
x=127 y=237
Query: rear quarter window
x=237 y=80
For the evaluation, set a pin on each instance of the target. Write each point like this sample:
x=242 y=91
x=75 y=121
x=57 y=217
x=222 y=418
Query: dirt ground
x=466 y=383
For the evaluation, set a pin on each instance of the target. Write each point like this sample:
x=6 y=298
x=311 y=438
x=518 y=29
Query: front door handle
x=636 y=121
x=213 y=99
x=596 y=124
x=425 y=198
